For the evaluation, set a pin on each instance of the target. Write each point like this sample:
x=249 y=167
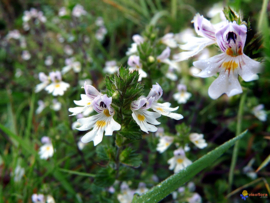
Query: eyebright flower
x=196 y=198
x=48 y=61
x=62 y=11
x=101 y=32
x=182 y=96
x=232 y=62
x=68 y=50
x=111 y=67
x=169 y=40
x=38 y=198
x=137 y=41
x=198 y=140
x=71 y=64
x=26 y=55
x=41 y=106
x=164 y=143
x=56 y=105
x=142 y=189
x=259 y=112
x=179 y=161
x=159 y=132
x=13 y=34
x=163 y=108
x=164 y=58
x=86 y=106
x=102 y=122
x=78 y=11
x=99 y=21
x=57 y=87
x=46 y=151
x=126 y=194
x=45 y=81
x=145 y=119
x=134 y=63
x=170 y=74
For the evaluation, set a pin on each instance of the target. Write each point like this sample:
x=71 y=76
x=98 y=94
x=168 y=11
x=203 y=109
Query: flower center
x=88 y=103
x=57 y=85
x=106 y=112
x=230 y=65
x=179 y=160
x=233 y=53
x=48 y=148
x=100 y=124
x=141 y=117
x=160 y=109
x=197 y=142
x=166 y=144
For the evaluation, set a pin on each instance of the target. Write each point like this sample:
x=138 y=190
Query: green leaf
x=105 y=152
x=76 y=172
x=169 y=185
x=264 y=163
x=105 y=177
x=126 y=173
x=130 y=158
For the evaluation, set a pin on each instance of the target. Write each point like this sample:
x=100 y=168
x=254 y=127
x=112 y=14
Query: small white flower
x=191 y=186
x=38 y=198
x=57 y=87
x=145 y=119
x=126 y=194
x=60 y=38
x=56 y=105
x=46 y=150
x=18 y=173
x=48 y=61
x=196 y=198
x=259 y=112
x=169 y=40
x=179 y=161
x=45 y=80
x=26 y=55
x=101 y=32
x=99 y=22
x=86 y=106
x=50 y=199
x=170 y=74
x=100 y=123
x=13 y=34
x=111 y=67
x=71 y=64
x=62 y=11
x=198 y=140
x=78 y=11
x=159 y=132
x=142 y=189
x=182 y=96
x=41 y=106
x=137 y=41
x=68 y=50
x=162 y=108
x=164 y=58
x=81 y=145
x=134 y=63
x=249 y=171
x=164 y=143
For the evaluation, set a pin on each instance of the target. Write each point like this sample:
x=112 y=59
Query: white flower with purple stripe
x=57 y=87
x=100 y=123
x=135 y=65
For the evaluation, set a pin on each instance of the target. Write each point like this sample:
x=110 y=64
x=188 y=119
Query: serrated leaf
x=126 y=173
x=130 y=158
x=169 y=185
x=105 y=177
x=264 y=163
x=105 y=152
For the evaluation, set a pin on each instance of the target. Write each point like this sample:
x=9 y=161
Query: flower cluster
x=33 y=15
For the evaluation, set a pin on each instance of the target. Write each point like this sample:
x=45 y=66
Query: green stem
x=174 y=8
x=236 y=146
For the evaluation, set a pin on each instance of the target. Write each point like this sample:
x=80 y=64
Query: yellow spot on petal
x=230 y=65
x=166 y=144
x=160 y=109
x=106 y=112
x=48 y=148
x=141 y=117
x=100 y=124
x=197 y=142
x=57 y=85
x=180 y=160
x=230 y=52
x=88 y=103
